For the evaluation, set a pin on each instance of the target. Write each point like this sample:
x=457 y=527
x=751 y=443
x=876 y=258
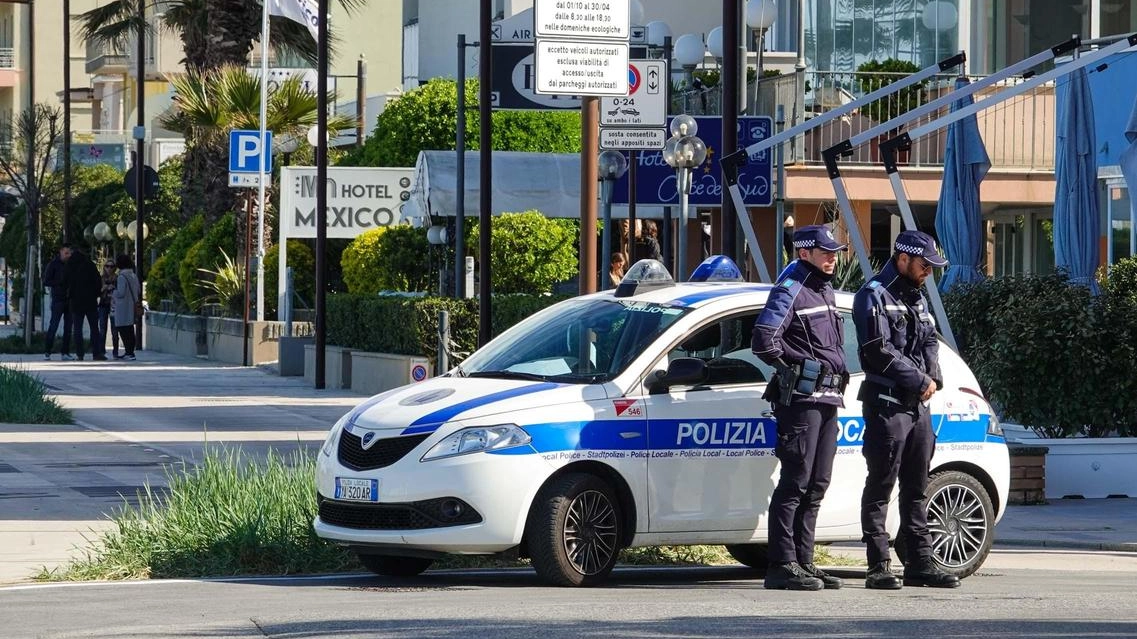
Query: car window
x=725 y=347
x=852 y=359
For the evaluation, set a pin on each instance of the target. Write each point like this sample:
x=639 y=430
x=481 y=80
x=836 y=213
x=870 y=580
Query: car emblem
x=368 y=439
x=427 y=397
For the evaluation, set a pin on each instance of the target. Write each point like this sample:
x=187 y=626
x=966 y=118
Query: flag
x=306 y=12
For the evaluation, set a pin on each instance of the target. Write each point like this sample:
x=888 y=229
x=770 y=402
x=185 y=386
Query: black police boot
x=829 y=581
x=880 y=577
x=925 y=572
x=790 y=577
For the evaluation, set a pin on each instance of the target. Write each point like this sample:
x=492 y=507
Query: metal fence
x=1018 y=133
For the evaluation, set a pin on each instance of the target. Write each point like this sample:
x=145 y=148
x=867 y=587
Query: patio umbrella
x=1128 y=162
x=959 y=222
x=1077 y=227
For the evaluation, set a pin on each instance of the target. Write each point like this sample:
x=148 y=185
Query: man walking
x=53 y=280
x=899 y=351
x=800 y=333
x=84 y=284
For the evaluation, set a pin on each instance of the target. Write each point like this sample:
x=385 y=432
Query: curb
x=1068 y=545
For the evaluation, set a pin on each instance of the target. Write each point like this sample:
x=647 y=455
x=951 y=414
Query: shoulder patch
x=874 y=284
x=788 y=283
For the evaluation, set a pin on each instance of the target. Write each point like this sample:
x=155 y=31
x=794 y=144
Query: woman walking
x=127 y=297
x=106 y=304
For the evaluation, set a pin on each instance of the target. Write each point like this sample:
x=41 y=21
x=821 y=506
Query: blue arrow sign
x=656 y=183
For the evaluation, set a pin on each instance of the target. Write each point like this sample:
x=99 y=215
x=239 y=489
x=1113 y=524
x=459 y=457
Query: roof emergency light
x=717 y=268
x=645 y=275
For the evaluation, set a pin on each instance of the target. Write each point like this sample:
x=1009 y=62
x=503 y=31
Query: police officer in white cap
x=801 y=334
x=899 y=352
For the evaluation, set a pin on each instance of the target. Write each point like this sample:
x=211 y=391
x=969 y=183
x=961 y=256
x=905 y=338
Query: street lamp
x=939 y=17
x=760 y=15
x=689 y=52
x=610 y=166
x=683 y=152
x=657 y=34
x=714 y=44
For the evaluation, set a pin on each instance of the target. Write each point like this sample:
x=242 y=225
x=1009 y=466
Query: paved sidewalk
x=1093 y=524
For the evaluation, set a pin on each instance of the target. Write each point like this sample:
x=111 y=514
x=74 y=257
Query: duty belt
x=830 y=382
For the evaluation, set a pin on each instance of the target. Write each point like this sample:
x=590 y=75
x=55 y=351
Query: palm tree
x=210 y=103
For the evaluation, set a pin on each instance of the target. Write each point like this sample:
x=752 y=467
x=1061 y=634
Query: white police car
x=626 y=418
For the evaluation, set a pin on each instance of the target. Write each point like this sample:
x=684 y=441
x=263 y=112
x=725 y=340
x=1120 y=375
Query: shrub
x=873 y=75
x=206 y=254
x=303 y=263
x=1036 y=342
x=530 y=252
x=163 y=280
x=24 y=400
x=360 y=268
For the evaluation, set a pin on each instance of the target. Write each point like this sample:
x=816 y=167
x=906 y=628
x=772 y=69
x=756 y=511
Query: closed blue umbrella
x=1128 y=162
x=1077 y=227
x=959 y=217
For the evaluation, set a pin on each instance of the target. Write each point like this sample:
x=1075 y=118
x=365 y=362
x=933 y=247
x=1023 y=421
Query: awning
x=546 y=182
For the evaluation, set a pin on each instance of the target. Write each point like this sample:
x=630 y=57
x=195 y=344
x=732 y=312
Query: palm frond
x=113 y=24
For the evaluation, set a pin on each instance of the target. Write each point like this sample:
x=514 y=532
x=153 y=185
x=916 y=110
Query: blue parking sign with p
x=245 y=151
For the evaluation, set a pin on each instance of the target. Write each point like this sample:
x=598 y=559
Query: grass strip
x=24 y=400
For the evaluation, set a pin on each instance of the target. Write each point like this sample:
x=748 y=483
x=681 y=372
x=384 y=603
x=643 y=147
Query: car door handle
x=630 y=434
x=767 y=413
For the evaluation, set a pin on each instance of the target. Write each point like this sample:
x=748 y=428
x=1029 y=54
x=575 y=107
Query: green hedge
x=409 y=325
x=1050 y=355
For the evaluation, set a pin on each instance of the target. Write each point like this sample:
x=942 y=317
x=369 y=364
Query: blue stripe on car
x=431 y=421
x=713 y=293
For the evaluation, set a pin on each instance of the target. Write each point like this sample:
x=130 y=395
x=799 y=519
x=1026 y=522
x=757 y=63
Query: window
x=725 y=347
x=852 y=359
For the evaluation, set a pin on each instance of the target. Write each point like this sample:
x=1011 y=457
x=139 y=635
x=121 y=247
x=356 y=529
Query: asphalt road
x=1019 y=594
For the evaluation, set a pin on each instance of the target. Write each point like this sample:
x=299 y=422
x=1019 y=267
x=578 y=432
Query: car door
x=711 y=464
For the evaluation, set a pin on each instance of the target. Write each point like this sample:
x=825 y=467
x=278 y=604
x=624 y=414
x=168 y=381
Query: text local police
x=348 y=216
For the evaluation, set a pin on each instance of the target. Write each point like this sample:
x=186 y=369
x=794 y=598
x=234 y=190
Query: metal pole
x=285 y=310
x=665 y=236
x=321 y=193
x=606 y=188
x=460 y=176
x=31 y=268
x=248 y=250
x=589 y=145
x=632 y=159
x=360 y=100
x=779 y=248
x=485 y=165
x=261 y=177
x=730 y=95
x=443 y=342
x=66 y=120
x=684 y=177
x=140 y=163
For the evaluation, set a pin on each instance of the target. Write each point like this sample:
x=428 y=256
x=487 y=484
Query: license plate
x=357 y=489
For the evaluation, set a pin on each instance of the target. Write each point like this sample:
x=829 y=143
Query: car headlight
x=330 y=440
x=478 y=439
x=993 y=426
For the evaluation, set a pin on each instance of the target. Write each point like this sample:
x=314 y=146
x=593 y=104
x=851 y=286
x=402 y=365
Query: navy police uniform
x=800 y=324
x=898 y=349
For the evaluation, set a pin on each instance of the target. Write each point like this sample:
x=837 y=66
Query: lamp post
x=760 y=15
x=683 y=152
x=939 y=17
x=657 y=33
x=610 y=167
x=689 y=52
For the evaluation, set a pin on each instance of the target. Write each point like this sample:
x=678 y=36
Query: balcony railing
x=1018 y=133
x=7 y=58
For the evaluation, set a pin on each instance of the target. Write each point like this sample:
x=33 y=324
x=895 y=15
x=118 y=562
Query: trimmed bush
x=530 y=252
x=303 y=263
x=163 y=281
x=206 y=254
x=360 y=268
x=390 y=258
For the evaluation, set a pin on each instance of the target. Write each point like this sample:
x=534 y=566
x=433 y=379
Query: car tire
x=389 y=566
x=751 y=555
x=961 y=520
x=574 y=530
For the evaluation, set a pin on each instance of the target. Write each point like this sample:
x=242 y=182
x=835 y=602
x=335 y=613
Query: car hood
x=423 y=407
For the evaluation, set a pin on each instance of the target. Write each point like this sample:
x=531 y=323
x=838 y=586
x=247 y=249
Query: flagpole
x=263 y=156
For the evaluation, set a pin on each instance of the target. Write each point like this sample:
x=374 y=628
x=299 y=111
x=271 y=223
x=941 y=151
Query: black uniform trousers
x=898 y=444
x=807 y=443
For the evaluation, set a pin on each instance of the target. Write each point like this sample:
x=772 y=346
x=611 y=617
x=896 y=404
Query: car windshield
x=584 y=341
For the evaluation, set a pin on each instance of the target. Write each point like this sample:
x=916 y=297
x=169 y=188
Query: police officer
x=800 y=333
x=899 y=352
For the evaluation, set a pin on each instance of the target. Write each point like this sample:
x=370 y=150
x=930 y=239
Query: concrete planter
x=215 y=338
x=1090 y=466
x=290 y=360
x=338 y=364
x=373 y=373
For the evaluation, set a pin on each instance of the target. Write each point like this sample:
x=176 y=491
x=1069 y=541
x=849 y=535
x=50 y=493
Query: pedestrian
x=616 y=269
x=647 y=246
x=801 y=333
x=899 y=352
x=53 y=280
x=106 y=304
x=83 y=283
x=127 y=304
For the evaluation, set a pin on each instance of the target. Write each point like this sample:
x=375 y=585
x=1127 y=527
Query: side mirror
x=682 y=371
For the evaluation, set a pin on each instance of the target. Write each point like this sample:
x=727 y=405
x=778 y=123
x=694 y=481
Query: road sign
x=637 y=35
x=516 y=28
x=646 y=102
x=582 y=68
x=632 y=139
x=582 y=18
x=244 y=180
x=514 y=78
x=149 y=182
x=655 y=180
x=245 y=152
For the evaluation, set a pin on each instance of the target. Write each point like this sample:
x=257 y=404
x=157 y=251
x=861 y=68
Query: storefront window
x=840 y=35
x=1006 y=31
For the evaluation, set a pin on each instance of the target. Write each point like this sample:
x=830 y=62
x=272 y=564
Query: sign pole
x=589 y=148
x=264 y=151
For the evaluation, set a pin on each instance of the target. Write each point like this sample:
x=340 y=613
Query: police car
x=631 y=417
